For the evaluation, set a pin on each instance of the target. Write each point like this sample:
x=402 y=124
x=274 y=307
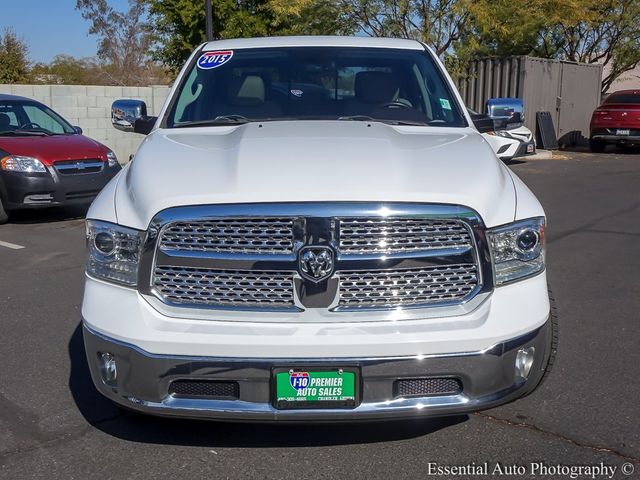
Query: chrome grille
x=390 y=235
x=407 y=287
x=238 y=235
x=75 y=167
x=247 y=256
x=220 y=288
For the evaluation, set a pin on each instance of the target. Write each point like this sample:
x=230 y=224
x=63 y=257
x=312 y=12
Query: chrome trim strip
x=315 y=315
x=62 y=167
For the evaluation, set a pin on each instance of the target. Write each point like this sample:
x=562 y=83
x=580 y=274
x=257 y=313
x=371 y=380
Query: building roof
x=314 y=41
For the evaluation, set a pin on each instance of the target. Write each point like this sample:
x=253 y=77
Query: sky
x=50 y=27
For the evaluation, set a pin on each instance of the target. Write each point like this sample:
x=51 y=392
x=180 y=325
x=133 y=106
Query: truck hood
x=308 y=161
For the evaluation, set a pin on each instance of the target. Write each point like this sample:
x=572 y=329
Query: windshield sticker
x=297 y=92
x=444 y=103
x=209 y=60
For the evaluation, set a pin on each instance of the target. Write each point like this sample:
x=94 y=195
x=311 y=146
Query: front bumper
x=521 y=149
x=49 y=189
x=487 y=377
x=525 y=149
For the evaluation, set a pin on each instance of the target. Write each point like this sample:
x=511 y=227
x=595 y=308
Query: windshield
x=623 y=98
x=30 y=118
x=308 y=83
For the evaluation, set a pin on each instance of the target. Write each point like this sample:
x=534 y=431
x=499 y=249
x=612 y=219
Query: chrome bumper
x=488 y=379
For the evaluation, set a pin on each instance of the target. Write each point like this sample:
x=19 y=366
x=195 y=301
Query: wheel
x=597 y=146
x=553 y=345
x=4 y=216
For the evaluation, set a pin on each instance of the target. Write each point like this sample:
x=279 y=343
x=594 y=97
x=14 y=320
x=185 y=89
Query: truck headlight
x=112 y=159
x=20 y=163
x=517 y=249
x=114 y=252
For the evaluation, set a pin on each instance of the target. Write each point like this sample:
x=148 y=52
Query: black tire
x=4 y=216
x=597 y=146
x=553 y=345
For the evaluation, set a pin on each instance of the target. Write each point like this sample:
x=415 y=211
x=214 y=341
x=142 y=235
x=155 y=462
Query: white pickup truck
x=314 y=230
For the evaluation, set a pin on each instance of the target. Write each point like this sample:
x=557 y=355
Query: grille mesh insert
x=389 y=235
x=205 y=388
x=390 y=288
x=209 y=287
x=422 y=387
x=260 y=235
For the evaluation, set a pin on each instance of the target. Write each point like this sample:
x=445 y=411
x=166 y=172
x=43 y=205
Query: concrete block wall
x=89 y=107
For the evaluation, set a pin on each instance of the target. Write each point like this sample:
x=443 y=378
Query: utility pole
x=209 y=16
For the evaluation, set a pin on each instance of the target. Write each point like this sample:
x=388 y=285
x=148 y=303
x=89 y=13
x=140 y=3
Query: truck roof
x=314 y=41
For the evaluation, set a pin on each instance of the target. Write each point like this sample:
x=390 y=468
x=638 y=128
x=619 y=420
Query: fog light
x=524 y=362
x=108 y=368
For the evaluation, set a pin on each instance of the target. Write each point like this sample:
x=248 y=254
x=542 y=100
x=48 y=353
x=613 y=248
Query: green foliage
x=179 y=25
x=14 y=63
x=591 y=31
x=439 y=23
x=65 y=69
x=68 y=70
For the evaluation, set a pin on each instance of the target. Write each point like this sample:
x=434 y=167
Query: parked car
x=45 y=161
x=616 y=121
x=510 y=144
x=503 y=128
x=358 y=253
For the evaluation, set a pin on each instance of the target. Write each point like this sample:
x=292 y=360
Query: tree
x=14 y=63
x=439 y=23
x=125 y=39
x=605 y=32
x=608 y=33
x=66 y=70
x=179 y=25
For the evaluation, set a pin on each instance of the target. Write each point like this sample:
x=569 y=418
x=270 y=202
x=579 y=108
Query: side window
x=440 y=103
x=190 y=92
x=41 y=118
x=8 y=118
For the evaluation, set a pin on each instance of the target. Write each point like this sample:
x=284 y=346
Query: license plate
x=531 y=148
x=315 y=388
x=624 y=131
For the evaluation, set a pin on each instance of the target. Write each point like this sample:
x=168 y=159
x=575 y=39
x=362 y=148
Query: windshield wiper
x=367 y=118
x=219 y=120
x=358 y=118
x=18 y=132
x=406 y=122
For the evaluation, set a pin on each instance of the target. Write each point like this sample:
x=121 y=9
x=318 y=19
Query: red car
x=45 y=161
x=616 y=121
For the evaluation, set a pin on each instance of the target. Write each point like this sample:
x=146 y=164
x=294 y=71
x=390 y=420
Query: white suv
x=314 y=230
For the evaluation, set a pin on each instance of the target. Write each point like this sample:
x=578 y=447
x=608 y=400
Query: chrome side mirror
x=508 y=111
x=125 y=113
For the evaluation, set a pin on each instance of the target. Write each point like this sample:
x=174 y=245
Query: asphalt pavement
x=53 y=424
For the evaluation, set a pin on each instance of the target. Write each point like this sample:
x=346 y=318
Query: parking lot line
x=12 y=246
